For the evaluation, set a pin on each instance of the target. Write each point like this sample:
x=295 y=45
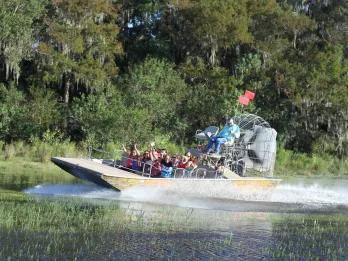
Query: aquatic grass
x=20 y=211
x=19 y=173
x=73 y=228
x=309 y=237
x=76 y=228
x=291 y=163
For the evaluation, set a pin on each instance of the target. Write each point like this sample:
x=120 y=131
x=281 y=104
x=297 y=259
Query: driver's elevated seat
x=207 y=133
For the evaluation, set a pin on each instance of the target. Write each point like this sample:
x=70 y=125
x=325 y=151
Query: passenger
x=229 y=132
x=156 y=168
x=176 y=161
x=133 y=158
x=158 y=153
x=181 y=164
x=167 y=167
x=154 y=153
x=220 y=166
x=186 y=163
x=163 y=153
x=146 y=156
x=146 y=161
x=200 y=148
x=185 y=159
x=191 y=164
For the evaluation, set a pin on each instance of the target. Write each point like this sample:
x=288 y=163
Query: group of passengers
x=157 y=162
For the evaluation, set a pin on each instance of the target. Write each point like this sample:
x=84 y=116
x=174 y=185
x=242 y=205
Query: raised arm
x=124 y=148
x=136 y=150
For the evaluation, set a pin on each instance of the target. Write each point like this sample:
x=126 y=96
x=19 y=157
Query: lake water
x=302 y=219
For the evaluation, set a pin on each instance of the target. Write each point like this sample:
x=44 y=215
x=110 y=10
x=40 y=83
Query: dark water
x=300 y=220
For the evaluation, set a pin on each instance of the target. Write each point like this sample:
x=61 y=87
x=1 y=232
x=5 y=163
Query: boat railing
x=149 y=168
x=152 y=170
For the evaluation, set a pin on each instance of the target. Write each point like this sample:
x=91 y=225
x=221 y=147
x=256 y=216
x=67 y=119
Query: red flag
x=243 y=100
x=249 y=94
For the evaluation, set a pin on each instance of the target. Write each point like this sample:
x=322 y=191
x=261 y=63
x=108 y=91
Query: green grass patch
x=19 y=173
x=42 y=150
x=289 y=163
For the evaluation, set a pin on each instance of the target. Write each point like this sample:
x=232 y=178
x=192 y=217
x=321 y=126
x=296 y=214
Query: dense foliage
x=129 y=71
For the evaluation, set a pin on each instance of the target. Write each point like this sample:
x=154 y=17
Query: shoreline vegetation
x=102 y=73
x=94 y=72
x=34 y=161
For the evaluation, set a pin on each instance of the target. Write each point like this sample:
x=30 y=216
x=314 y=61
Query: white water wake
x=310 y=194
x=83 y=190
x=191 y=195
x=313 y=194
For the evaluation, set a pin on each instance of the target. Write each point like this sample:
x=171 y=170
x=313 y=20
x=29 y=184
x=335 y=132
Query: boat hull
x=244 y=183
x=118 y=179
x=81 y=172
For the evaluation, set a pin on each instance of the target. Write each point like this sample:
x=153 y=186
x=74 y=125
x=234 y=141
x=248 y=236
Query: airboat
x=248 y=162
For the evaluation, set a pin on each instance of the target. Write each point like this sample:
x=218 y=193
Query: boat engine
x=255 y=150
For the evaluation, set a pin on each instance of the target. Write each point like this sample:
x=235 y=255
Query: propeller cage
x=255 y=149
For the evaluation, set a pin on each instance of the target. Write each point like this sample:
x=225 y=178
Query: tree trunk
x=66 y=90
x=295 y=39
x=67 y=84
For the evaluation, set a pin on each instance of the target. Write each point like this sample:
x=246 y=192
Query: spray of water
x=309 y=195
x=85 y=190
x=284 y=193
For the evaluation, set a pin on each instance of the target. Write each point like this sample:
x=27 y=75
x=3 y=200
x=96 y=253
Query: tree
x=16 y=38
x=322 y=101
x=78 y=44
x=207 y=28
x=12 y=113
x=141 y=35
x=278 y=28
x=332 y=19
x=44 y=112
x=103 y=117
x=211 y=95
x=156 y=88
